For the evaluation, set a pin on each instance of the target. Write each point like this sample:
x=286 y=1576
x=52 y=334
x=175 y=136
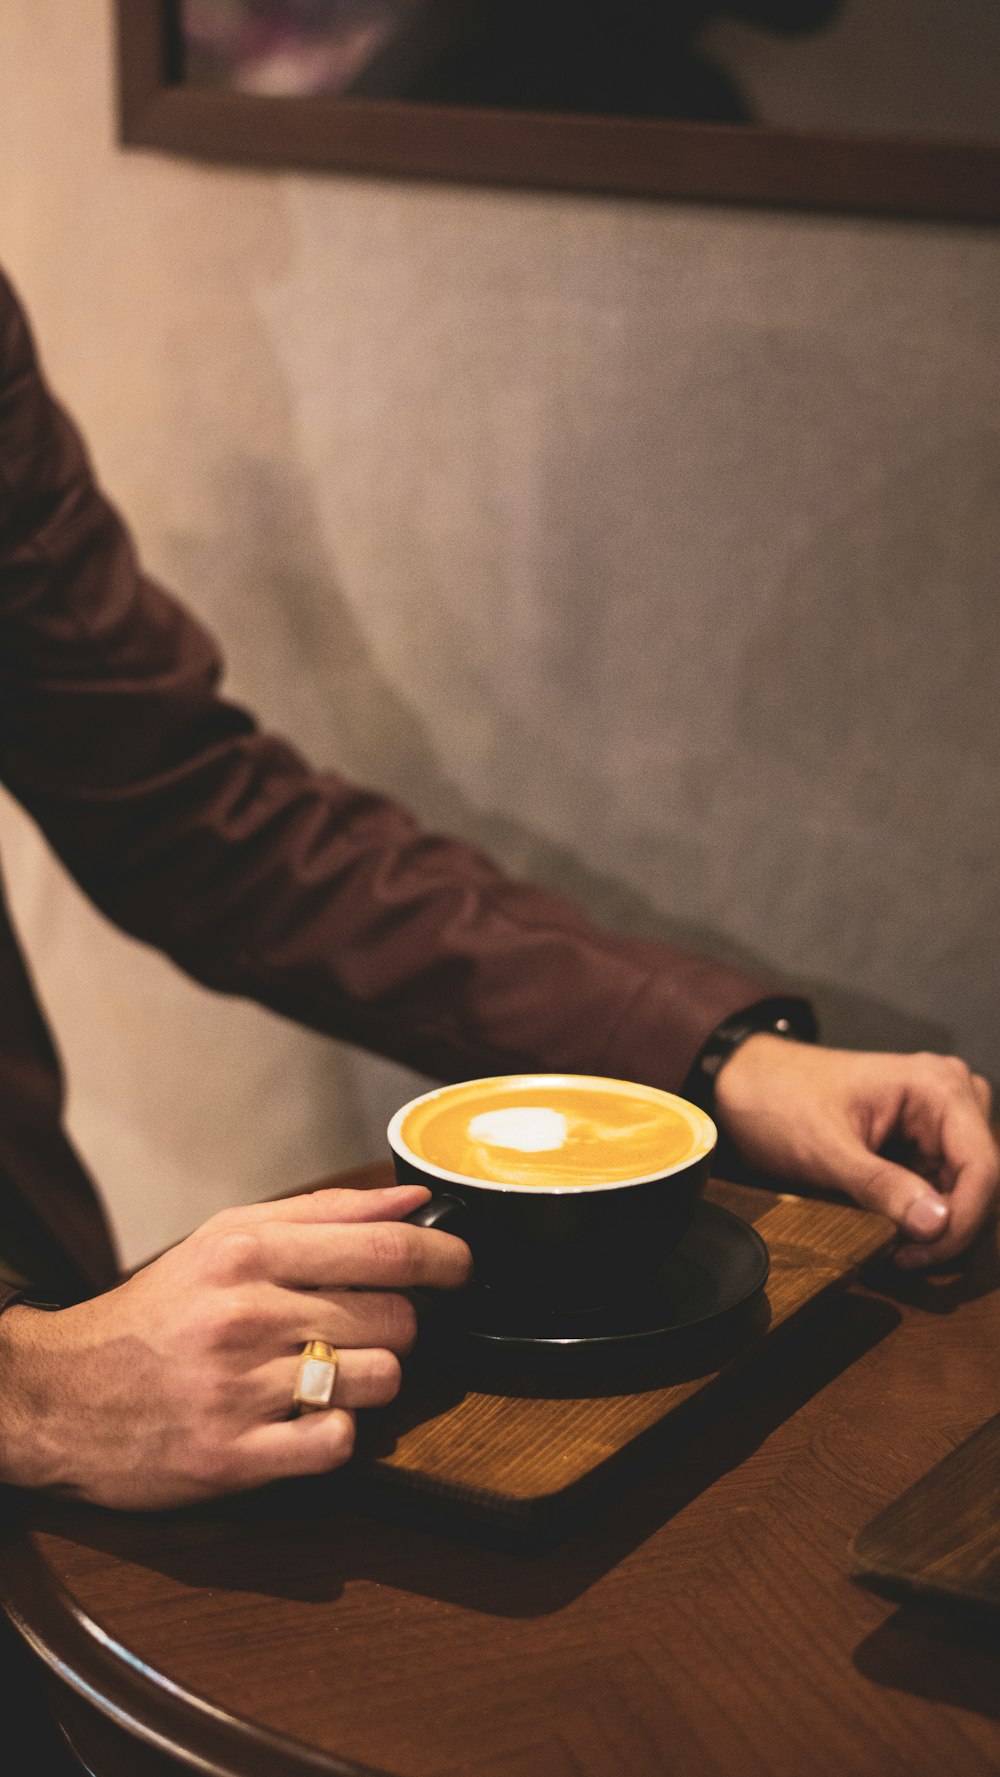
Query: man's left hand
x=827 y=1116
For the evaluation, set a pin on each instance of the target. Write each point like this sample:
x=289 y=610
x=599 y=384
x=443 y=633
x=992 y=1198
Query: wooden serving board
x=941 y=1539
x=521 y=1450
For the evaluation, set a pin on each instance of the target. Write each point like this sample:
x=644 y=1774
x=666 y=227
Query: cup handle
x=436 y=1213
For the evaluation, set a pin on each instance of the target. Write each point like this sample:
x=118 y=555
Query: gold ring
x=317 y=1374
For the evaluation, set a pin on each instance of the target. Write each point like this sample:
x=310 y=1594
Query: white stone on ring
x=317 y=1374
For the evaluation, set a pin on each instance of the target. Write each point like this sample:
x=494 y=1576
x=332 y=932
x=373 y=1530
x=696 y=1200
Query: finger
x=351 y=1318
x=890 y=1190
x=971 y=1162
x=368 y=1378
x=331 y=1204
x=943 y=1119
x=377 y=1255
x=308 y=1446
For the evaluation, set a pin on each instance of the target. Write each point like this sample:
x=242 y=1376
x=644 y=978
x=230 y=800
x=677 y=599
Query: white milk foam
x=529 y=1129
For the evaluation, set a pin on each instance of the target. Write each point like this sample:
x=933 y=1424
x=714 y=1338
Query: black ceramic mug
x=569 y=1188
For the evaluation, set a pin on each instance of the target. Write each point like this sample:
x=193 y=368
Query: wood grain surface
x=525 y=1447
x=942 y=1539
x=702 y=1621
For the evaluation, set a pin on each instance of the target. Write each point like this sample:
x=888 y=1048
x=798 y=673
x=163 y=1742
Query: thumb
x=890 y=1190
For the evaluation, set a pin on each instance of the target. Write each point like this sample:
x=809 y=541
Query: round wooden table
x=703 y=1620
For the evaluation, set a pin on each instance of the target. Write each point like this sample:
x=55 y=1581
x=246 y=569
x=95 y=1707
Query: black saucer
x=703 y=1287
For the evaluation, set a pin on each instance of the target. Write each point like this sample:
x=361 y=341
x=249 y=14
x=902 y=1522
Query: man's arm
x=259 y=876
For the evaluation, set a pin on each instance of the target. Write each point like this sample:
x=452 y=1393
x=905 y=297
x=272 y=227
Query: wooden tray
x=521 y=1452
x=941 y=1539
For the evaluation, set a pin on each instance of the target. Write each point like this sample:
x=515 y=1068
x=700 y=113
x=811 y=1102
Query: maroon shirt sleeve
x=259 y=876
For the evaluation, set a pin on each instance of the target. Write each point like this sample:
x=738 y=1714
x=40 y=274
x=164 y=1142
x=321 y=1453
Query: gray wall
x=652 y=546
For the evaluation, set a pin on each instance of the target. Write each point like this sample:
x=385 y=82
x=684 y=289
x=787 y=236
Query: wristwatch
x=782 y=1016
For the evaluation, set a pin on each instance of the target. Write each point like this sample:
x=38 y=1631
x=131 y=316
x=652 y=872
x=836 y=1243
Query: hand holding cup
x=178 y=1385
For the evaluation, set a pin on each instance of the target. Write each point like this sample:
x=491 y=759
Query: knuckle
x=390 y=1248
x=340 y=1436
x=234 y=1254
x=465 y=1260
x=878 y=1189
x=942 y=1067
x=204 y=1330
x=386 y=1378
x=925 y=1065
x=402 y=1329
x=240 y=1322
x=393 y=1377
x=229 y=1321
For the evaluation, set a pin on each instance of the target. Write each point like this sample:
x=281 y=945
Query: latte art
x=551 y=1131
x=569 y=1190
x=528 y=1128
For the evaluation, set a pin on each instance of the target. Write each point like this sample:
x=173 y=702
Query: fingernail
x=925 y=1217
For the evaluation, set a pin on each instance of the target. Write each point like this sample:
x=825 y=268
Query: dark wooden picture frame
x=729 y=163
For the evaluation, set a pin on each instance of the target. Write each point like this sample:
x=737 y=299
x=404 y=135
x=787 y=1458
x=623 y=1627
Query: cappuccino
x=554 y=1131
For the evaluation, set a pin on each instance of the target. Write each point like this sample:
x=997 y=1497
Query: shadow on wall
x=349 y=715
x=869 y=688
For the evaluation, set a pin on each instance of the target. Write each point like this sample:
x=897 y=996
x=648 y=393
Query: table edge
x=83 y=1658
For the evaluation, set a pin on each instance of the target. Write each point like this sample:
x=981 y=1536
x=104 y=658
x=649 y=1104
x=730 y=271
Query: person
x=214 y=841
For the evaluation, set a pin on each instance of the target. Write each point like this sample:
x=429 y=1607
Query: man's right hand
x=177 y=1385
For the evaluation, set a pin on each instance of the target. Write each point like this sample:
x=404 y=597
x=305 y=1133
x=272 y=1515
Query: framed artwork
x=886 y=106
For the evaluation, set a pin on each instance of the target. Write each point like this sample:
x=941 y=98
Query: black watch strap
x=781 y=1016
